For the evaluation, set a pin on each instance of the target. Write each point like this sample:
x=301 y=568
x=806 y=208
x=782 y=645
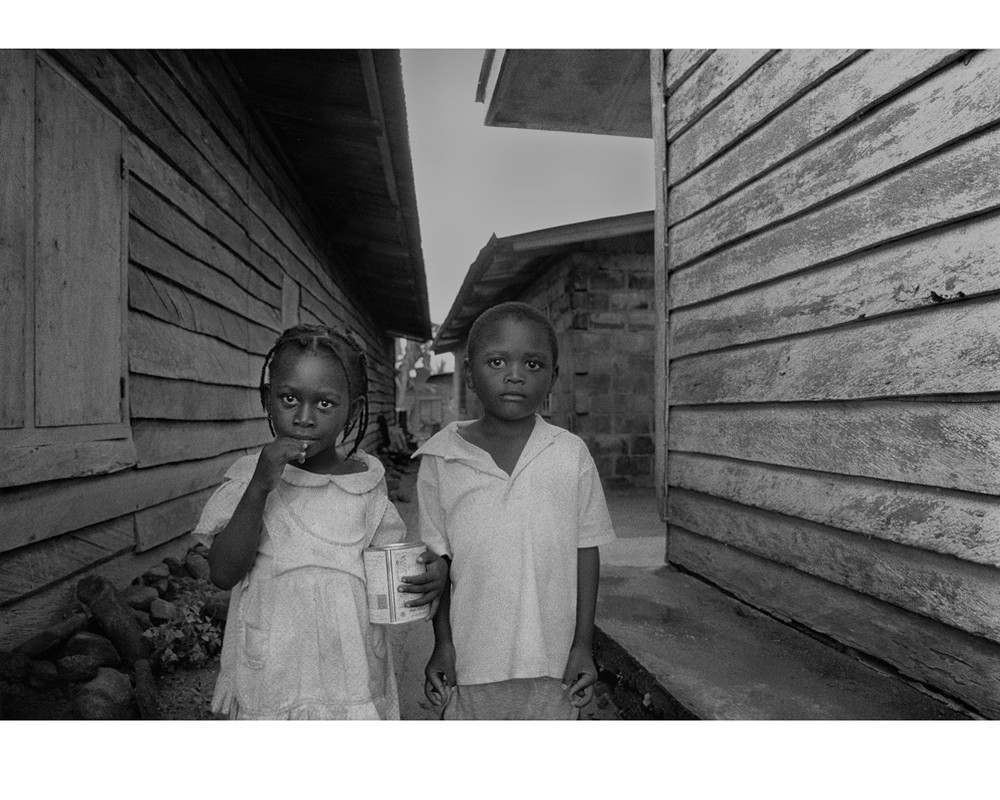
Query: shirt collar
x=451 y=446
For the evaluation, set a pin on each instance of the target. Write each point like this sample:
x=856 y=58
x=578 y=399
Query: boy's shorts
x=522 y=698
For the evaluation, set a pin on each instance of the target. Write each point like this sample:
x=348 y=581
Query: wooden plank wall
x=220 y=248
x=834 y=335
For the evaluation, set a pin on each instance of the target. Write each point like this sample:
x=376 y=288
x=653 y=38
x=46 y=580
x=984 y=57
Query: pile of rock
x=98 y=651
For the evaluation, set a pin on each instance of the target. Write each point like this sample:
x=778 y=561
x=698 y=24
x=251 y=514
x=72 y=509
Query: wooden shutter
x=78 y=257
x=63 y=222
x=15 y=132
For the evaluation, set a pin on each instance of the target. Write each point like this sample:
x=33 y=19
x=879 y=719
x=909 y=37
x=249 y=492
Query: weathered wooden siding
x=834 y=291
x=222 y=254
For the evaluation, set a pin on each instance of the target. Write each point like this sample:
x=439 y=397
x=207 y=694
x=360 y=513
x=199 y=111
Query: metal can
x=384 y=567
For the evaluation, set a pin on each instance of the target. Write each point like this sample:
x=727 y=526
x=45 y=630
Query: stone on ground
x=94 y=645
x=138 y=596
x=108 y=696
x=14 y=666
x=197 y=566
x=161 y=610
x=77 y=668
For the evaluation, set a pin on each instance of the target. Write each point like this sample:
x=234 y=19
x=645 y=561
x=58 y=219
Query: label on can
x=384 y=568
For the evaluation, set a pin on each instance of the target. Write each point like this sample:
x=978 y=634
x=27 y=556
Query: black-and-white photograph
x=444 y=383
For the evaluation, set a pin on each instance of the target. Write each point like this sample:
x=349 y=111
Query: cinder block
x=633 y=465
x=644 y=281
x=603 y=403
x=608 y=319
x=629 y=301
x=635 y=341
x=606 y=279
x=592 y=423
x=597 y=382
x=641 y=445
x=634 y=423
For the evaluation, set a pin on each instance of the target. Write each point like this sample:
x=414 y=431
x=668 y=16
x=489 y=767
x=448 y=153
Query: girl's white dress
x=298 y=644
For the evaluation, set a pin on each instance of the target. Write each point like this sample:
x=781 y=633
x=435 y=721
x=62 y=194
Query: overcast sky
x=473 y=181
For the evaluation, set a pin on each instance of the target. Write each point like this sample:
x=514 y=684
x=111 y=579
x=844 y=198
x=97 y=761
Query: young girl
x=287 y=530
x=517 y=505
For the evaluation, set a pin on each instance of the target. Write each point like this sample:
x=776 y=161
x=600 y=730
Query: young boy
x=517 y=505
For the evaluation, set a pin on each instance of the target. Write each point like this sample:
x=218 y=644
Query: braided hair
x=343 y=347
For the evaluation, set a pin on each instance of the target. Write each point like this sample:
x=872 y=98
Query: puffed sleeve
x=432 y=521
x=221 y=505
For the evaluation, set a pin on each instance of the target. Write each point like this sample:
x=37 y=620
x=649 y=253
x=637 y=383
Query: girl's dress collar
x=353 y=482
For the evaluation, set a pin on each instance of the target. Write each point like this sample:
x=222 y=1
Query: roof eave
x=526 y=247
x=575 y=91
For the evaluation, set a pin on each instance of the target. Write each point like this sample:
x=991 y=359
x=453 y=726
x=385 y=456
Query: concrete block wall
x=600 y=300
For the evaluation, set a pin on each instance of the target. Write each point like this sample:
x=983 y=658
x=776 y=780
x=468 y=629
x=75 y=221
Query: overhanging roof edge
x=389 y=75
x=525 y=246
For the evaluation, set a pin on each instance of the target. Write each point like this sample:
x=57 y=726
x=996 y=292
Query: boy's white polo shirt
x=513 y=542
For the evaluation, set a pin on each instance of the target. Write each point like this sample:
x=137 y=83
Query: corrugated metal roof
x=339 y=118
x=505 y=267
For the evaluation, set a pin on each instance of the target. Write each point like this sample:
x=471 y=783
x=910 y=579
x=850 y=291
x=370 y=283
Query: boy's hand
x=580 y=676
x=440 y=674
x=273 y=458
x=429 y=584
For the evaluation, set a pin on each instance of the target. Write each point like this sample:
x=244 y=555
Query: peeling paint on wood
x=832 y=105
x=946 y=445
x=956 y=262
x=681 y=64
x=946 y=348
x=952 y=591
x=780 y=81
x=961 y=181
x=937 y=112
x=956 y=662
x=714 y=79
x=960 y=524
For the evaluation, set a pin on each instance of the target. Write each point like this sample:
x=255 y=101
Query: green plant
x=188 y=640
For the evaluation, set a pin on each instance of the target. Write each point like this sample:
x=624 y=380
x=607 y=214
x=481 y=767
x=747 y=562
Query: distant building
x=594 y=280
x=434 y=405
